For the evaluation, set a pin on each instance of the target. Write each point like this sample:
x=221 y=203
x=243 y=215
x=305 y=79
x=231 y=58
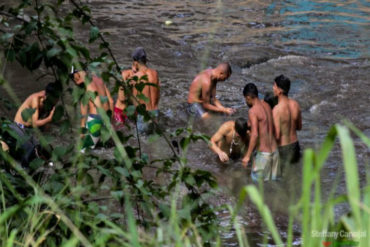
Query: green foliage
x=90 y=200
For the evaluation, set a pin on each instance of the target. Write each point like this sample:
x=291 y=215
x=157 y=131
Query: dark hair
x=226 y=68
x=241 y=127
x=139 y=55
x=283 y=83
x=270 y=99
x=53 y=89
x=250 y=90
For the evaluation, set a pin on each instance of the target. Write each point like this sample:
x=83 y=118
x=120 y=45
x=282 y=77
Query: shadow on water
x=322 y=46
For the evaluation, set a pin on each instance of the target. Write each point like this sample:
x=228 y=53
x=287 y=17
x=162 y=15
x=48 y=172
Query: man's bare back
x=103 y=97
x=261 y=114
x=139 y=69
x=151 y=92
x=286 y=114
x=202 y=82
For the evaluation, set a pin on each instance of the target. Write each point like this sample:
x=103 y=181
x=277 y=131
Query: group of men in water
x=268 y=139
x=269 y=131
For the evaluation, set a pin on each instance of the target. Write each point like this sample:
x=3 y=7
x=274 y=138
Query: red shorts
x=119 y=118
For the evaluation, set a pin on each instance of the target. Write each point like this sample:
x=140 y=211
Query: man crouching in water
x=90 y=118
x=266 y=160
x=202 y=92
x=287 y=120
x=230 y=140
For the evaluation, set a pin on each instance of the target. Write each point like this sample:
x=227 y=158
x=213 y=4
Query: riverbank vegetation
x=90 y=200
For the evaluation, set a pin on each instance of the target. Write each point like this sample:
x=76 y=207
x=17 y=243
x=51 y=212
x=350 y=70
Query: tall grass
x=315 y=213
x=41 y=215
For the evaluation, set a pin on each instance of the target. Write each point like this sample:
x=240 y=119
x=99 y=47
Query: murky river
x=322 y=46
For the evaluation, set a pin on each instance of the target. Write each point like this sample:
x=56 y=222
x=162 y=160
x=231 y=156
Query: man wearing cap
x=150 y=90
x=202 y=92
x=287 y=120
x=99 y=97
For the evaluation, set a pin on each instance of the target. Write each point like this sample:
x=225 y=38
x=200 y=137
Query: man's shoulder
x=127 y=73
x=152 y=72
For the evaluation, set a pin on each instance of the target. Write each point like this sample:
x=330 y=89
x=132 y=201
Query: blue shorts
x=196 y=109
x=266 y=166
x=148 y=126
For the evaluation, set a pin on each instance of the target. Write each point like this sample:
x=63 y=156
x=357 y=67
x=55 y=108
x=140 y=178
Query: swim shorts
x=119 y=118
x=289 y=154
x=265 y=166
x=148 y=126
x=94 y=124
x=196 y=109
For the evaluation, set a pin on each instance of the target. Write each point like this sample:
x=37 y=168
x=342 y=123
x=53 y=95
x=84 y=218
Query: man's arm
x=253 y=137
x=84 y=109
x=276 y=119
x=216 y=138
x=206 y=97
x=155 y=91
x=299 y=119
x=110 y=99
x=217 y=103
x=36 y=122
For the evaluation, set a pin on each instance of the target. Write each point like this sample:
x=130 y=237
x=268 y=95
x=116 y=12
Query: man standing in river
x=150 y=90
x=287 y=120
x=266 y=159
x=202 y=92
x=99 y=97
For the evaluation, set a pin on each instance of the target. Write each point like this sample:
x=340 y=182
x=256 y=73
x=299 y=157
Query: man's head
x=241 y=127
x=250 y=93
x=139 y=58
x=52 y=92
x=281 y=85
x=270 y=99
x=222 y=71
x=79 y=77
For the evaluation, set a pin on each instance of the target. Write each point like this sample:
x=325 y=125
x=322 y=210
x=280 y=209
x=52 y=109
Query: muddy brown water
x=322 y=46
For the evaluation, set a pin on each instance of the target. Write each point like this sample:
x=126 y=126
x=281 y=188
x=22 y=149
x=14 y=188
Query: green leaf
x=53 y=52
x=94 y=34
x=130 y=110
x=184 y=143
x=27 y=114
x=36 y=163
x=140 y=86
x=58 y=114
x=143 y=97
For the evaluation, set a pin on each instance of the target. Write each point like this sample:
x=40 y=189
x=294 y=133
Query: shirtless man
x=99 y=97
x=28 y=116
x=230 y=140
x=266 y=160
x=287 y=120
x=151 y=92
x=35 y=102
x=202 y=92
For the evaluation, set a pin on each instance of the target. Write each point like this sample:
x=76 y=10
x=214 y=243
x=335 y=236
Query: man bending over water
x=287 y=120
x=202 y=92
x=266 y=160
x=90 y=118
x=230 y=140
x=151 y=92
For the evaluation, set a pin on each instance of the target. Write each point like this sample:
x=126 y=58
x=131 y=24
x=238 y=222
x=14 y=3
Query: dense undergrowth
x=88 y=200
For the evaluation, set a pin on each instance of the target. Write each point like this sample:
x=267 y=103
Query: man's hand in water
x=229 y=111
x=223 y=156
x=245 y=161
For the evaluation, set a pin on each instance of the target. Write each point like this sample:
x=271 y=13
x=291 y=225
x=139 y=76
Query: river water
x=322 y=46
